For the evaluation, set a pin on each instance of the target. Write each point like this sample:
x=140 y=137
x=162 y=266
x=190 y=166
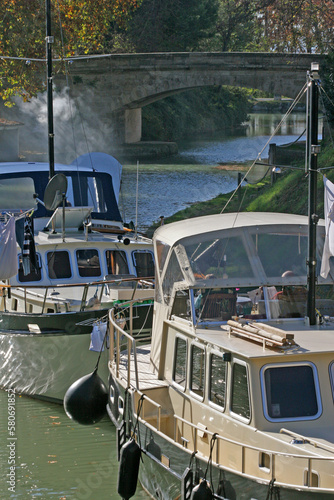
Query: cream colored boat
x=236 y=389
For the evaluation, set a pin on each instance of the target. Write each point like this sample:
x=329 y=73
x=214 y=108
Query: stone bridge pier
x=123 y=83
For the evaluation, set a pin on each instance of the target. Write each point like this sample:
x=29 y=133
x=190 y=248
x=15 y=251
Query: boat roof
x=75 y=237
x=173 y=233
x=30 y=166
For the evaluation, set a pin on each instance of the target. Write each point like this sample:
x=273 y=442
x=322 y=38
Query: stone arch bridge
x=123 y=83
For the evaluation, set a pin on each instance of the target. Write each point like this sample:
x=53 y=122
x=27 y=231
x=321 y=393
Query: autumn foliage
x=79 y=27
x=299 y=25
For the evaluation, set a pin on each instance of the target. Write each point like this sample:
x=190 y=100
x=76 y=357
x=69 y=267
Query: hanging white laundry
x=8 y=250
x=97 y=337
x=328 y=250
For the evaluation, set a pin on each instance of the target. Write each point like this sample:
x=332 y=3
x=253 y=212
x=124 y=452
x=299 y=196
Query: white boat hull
x=45 y=365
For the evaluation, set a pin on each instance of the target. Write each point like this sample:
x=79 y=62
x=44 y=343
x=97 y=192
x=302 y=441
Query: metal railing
x=220 y=443
x=116 y=332
x=40 y=293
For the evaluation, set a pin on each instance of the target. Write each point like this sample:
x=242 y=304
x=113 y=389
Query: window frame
x=175 y=348
x=133 y=257
x=69 y=260
x=331 y=376
x=264 y=394
x=235 y=415
x=94 y=277
x=191 y=389
x=39 y=258
x=116 y=250
x=218 y=354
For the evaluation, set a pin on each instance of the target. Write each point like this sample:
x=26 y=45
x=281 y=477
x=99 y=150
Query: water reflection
x=57 y=458
x=266 y=124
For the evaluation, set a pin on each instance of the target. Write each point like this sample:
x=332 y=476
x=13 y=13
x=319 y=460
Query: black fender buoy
x=85 y=400
x=202 y=491
x=128 y=469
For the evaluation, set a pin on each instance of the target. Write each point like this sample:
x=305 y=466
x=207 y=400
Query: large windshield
x=88 y=189
x=260 y=256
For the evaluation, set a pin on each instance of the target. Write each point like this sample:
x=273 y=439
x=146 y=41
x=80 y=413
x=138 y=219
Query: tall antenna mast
x=49 y=41
x=313 y=149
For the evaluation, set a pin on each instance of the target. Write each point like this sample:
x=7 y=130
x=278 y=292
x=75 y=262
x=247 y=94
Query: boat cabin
x=250 y=265
x=229 y=327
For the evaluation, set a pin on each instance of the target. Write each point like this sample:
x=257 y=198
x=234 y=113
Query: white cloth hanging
x=328 y=250
x=97 y=337
x=8 y=250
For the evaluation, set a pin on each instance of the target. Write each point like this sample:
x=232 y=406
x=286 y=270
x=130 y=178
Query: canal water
x=195 y=174
x=43 y=453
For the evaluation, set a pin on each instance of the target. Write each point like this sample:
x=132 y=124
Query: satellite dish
x=54 y=192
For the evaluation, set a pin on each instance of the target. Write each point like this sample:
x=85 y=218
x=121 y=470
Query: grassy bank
x=287 y=195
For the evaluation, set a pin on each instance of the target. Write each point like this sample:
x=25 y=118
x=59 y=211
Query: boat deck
x=316 y=339
x=147 y=379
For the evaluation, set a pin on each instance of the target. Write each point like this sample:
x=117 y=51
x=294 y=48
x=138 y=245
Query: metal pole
x=49 y=41
x=239 y=186
x=312 y=208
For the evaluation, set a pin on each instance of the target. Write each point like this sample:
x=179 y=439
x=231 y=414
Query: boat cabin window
x=197 y=370
x=87 y=191
x=240 y=404
x=281 y=252
x=144 y=263
x=217 y=391
x=172 y=275
x=17 y=193
x=180 y=361
x=117 y=262
x=34 y=275
x=88 y=262
x=162 y=250
x=59 y=266
x=215 y=304
x=181 y=304
x=331 y=376
x=290 y=392
x=219 y=258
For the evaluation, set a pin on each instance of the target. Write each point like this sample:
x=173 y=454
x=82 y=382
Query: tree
x=237 y=28
x=79 y=27
x=172 y=25
x=299 y=25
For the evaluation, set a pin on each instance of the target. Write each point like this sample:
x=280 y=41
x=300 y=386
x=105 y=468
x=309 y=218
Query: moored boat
x=235 y=381
x=233 y=396
x=84 y=262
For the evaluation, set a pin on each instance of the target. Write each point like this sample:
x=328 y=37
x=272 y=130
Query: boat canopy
x=235 y=250
x=21 y=183
x=102 y=162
